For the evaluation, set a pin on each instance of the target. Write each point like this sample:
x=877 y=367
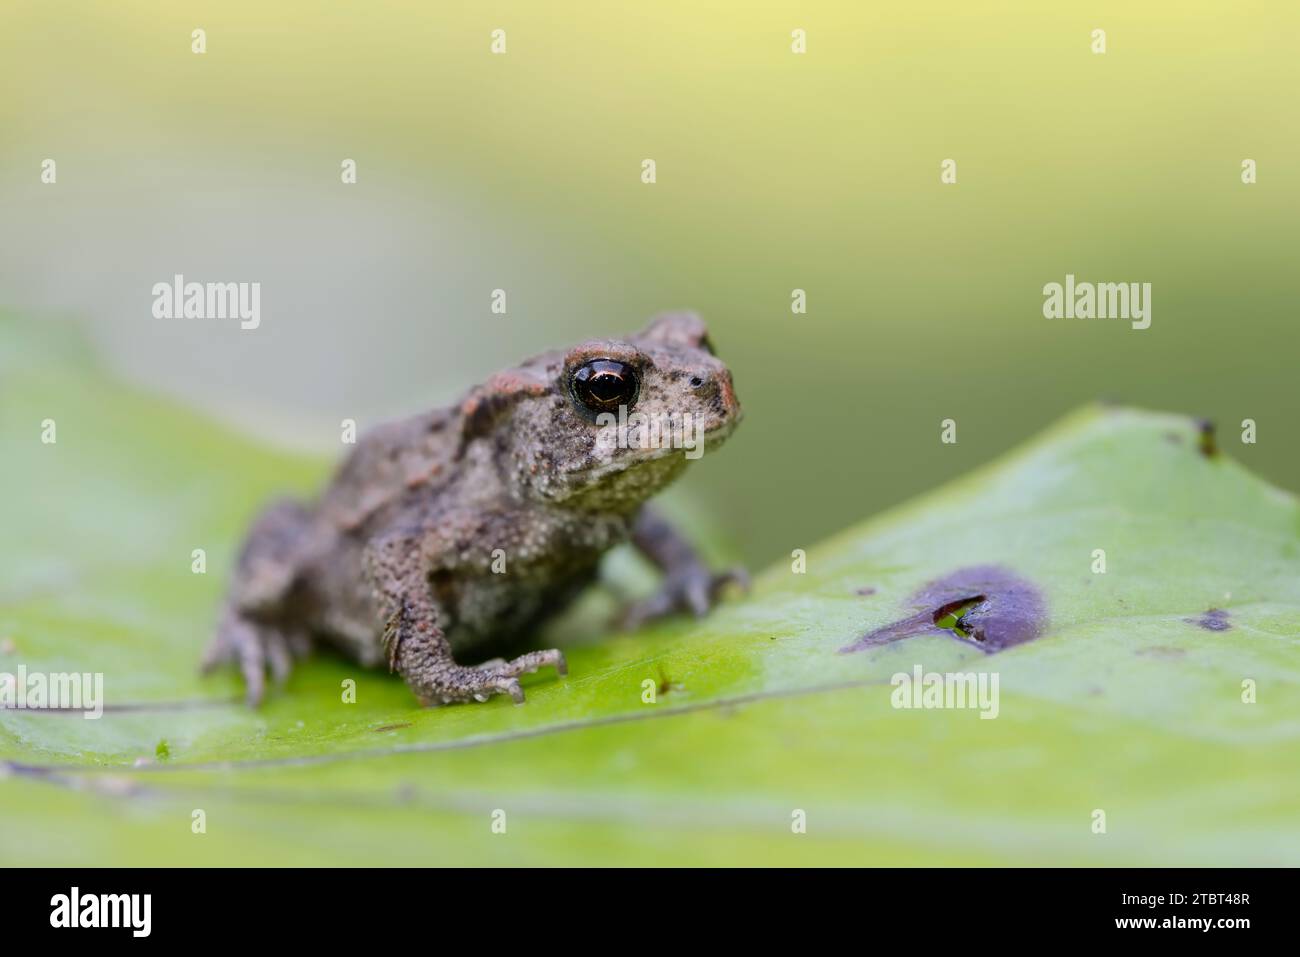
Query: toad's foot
x=452 y=682
x=692 y=588
x=257 y=648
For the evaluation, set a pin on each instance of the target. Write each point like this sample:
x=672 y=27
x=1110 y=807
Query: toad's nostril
x=696 y=382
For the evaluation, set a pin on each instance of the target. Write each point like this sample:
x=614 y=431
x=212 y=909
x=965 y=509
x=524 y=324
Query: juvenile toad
x=464 y=524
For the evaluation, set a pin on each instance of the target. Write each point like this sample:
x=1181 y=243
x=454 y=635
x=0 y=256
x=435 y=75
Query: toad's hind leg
x=254 y=630
x=271 y=557
x=255 y=647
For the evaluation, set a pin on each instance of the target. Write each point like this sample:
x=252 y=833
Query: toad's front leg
x=688 y=585
x=414 y=638
x=420 y=651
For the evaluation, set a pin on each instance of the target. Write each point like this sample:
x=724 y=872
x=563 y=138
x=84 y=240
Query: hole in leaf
x=949 y=615
x=986 y=605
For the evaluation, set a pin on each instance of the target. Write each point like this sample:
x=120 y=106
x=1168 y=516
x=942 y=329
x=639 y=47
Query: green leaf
x=1125 y=702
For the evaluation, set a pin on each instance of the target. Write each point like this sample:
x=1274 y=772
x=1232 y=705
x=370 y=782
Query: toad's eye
x=602 y=385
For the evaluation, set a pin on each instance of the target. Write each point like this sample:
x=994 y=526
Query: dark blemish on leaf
x=1208 y=447
x=864 y=590
x=406 y=793
x=25 y=770
x=1216 y=619
x=1174 y=438
x=918 y=624
x=1161 y=651
x=986 y=605
x=665 y=684
x=389 y=727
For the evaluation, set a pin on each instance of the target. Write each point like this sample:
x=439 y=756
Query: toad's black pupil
x=605 y=384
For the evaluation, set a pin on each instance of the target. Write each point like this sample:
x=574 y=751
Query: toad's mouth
x=634 y=453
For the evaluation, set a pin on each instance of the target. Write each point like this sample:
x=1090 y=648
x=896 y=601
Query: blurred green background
x=775 y=171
